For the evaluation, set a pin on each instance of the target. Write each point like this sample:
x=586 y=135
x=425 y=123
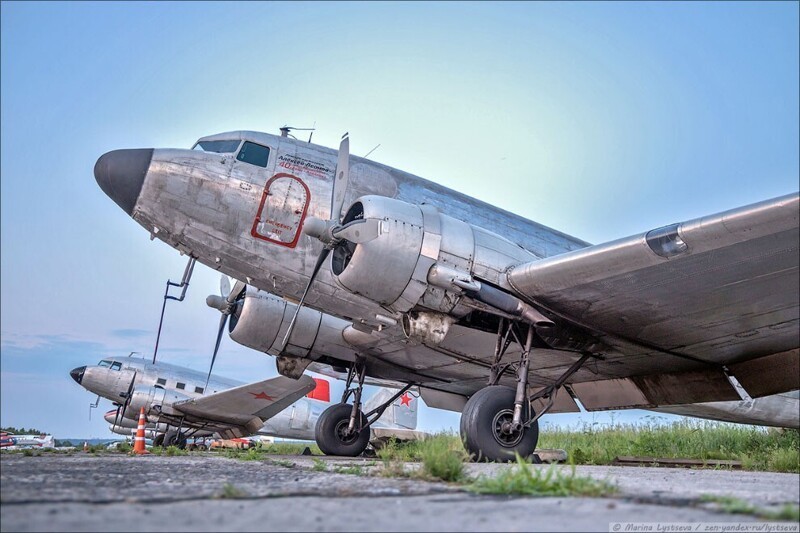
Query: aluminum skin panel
x=732 y=294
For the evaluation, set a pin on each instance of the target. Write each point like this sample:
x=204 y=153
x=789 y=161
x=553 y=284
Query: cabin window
x=161 y=381
x=253 y=153
x=198 y=390
x=181 y=385
x=116 y=366
x=220 y=147
x=104 y=363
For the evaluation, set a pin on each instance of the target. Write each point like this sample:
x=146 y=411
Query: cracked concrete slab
x=112 y=492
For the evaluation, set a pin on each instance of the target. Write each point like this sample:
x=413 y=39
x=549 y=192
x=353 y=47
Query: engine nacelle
x=154 y=400
x=392 y=269
x=263 y=319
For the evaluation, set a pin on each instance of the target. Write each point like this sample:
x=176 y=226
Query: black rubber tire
x=159 y=440
x=328 y=432
x=478 y=421
x=173 y=438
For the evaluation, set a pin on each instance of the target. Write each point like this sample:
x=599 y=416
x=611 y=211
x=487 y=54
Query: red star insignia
x=262 y=396
x=405 y=399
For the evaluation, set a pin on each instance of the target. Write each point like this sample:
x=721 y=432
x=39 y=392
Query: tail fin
x=322 y=391
x=402 y=413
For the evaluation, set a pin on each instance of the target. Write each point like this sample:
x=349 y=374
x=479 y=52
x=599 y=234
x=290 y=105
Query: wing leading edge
x=682 y=306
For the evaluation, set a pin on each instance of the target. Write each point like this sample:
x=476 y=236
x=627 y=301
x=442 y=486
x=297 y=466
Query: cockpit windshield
x=113 y=365
x=221 y=147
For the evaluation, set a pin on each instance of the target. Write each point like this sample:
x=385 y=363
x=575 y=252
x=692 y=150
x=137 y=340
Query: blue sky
x=598 y=119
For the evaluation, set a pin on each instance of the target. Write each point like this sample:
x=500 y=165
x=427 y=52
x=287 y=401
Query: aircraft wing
x=247 y=407
x=677 y=308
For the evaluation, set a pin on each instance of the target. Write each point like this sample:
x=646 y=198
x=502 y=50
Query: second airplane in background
x=180 y=405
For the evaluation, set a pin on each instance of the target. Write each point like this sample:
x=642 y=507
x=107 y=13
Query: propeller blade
x=318 y=228
x=340 y=182
x=122 y=408
x=116 y=417
x=224 y=286
x=238 y=289
x=320 y=259
x=359 y=231
x=223 y=319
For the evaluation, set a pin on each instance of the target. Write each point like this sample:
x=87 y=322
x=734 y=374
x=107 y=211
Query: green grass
x=755 y=447
x=525 y=480
x=123 y=447
x=231 y=492
x=354 y=470
x=172 y=451
x=276 y=448
x=319 y=466
x=289 y=448
x=442 y=457
x=253 y=454
x=733 y=505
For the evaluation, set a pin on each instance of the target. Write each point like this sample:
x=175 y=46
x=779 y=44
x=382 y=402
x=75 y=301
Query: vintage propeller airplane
x=181 y=403
x=486 y=312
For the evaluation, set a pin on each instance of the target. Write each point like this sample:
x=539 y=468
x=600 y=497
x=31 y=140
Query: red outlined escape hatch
x=282 y=210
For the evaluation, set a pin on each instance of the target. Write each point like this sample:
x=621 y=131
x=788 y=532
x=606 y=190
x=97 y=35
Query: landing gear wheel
x=331 y=432
x=159 y=440
x=484 y=424
x=173 y=438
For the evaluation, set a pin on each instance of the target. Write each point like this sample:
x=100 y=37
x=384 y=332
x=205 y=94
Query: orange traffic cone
x=138 y=445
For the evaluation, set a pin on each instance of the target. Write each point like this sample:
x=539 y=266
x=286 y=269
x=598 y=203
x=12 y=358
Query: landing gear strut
x=343 y=429
x=498 y=422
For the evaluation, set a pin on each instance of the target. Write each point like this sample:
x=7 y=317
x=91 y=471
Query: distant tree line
x=22 y=431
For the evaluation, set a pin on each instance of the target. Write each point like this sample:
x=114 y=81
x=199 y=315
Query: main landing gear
x=498 y=422
x=343 y=429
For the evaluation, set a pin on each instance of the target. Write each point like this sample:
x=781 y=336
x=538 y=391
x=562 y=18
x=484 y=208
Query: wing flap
x=655 y=389
x=769 y=375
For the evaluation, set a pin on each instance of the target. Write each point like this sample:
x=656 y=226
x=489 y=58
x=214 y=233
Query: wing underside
x=679 y=309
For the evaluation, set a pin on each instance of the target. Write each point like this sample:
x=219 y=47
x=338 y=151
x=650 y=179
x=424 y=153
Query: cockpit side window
x=104 y=363
x=253 y=153
x=116 y=366
x=220 y=147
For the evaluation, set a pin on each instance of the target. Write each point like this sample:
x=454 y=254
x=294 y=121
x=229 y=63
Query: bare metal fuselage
x=295 y=422
x=246 y=221
x=205 y=204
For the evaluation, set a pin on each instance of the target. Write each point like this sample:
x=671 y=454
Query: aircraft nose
x=77 y=374
x=120 y=173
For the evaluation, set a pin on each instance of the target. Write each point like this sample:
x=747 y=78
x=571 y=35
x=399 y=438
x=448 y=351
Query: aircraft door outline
x=282 y=210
